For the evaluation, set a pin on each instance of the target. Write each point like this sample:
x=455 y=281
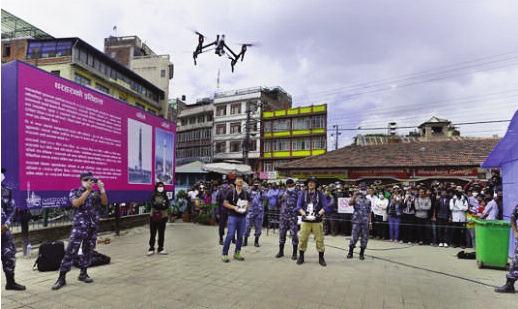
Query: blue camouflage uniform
x=84 y=229
x=513 y=269
x=288 y=217
x=255 y=213
x=8 y=248
x=360 y=220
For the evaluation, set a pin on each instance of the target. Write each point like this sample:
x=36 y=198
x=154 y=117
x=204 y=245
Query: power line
x=413 y=127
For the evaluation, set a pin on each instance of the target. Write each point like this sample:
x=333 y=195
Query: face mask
x=291 y=188
x=160 y=189
x=475 y=194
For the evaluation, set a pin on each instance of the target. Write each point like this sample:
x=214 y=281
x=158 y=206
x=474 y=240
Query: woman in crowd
x=422 y=205
x=159 y=205
x=408 y=219
x=394 y=214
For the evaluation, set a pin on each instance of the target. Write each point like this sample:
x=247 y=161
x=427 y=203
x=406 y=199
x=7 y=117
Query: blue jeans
x=235 y=224
x=394 y=227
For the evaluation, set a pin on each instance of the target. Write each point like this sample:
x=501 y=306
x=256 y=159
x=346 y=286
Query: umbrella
x=226 y=168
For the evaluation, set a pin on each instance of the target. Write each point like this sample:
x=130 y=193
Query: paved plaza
x=193 y=276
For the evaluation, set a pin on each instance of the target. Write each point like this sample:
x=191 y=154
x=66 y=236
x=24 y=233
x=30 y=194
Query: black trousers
x=223 y=218
x=422 y=229
x=443 y=231
x=408 y=229
x=155 y=226
x=378 y=226
x=459 y=234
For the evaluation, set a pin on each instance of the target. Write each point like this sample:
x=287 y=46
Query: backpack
x=97 y=260
x=50 y=255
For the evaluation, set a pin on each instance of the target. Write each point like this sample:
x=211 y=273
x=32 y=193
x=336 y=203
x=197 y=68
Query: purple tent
x=505 y=157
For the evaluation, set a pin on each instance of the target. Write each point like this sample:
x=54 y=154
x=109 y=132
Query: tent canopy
x=507 y=149
x=227 y=168
x=195 y=167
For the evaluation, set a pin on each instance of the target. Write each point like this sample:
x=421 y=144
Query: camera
x=95 y=180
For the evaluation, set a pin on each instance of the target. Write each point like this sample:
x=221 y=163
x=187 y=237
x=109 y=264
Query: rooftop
x=449 y=152
x=14 y=27
x=230 y=93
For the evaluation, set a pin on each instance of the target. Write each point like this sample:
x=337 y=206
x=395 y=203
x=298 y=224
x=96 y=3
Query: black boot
x=294 y=254
x=281 y=251
x=245 y=242
x=256 y=242
x=234 y=240
x=12 y=285
x=301 y=258
x=221 y=240
x=83 y=276
x=350 y=254
x=362 y=253
x=61 y=281
x=321 y=260
x=508 y=287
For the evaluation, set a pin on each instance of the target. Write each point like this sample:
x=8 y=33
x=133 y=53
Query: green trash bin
x=492 y=238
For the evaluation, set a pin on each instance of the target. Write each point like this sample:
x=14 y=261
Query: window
x=80 y=79
x=34 y=50
x=48 y=49
x=221 y=129
x=162 y=73
x=56 y=72
x=267 y=146
x=125 y=99
x=221 y=110
x=201 y=119
x=209 y=117
x=281 y=125
x=7 y=50
x=268 y=166
x=252 y=146
x=102 y=88
x=319 y=142
x=235 y=127
x=90 y=59
x=318 y=122
x=301 y=144
x=281 y=145
x=235 y=146
x=192 y=120
x=267 y=125
x=220 y=147
x=301 y=123
x=235 y=108
x=64 y=49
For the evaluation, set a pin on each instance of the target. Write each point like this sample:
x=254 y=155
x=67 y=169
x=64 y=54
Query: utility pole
x=336 y=134
x=246 y=141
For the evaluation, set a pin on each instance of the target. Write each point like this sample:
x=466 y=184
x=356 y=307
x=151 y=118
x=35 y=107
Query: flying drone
x=221 y=48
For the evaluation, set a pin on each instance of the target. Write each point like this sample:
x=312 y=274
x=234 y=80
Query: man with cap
x=361 y=221
x=255 y=214
x=87 y=201
x=512 y=275
x=312 y=205
x=8 y=248
x=288 y=219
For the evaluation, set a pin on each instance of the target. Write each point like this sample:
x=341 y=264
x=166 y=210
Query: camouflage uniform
x=289 y=217
x=362 y=212
x=513 y=269
x=84 y=229
x=255 y=213
x=8 y=248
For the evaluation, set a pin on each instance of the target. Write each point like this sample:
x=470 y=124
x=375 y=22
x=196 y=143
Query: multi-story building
x=230 y=117
x=290 y=134
x=139 y=57
x=194 y=139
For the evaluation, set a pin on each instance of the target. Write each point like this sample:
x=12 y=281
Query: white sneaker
x=163 y=252
x=150 y=252
x=445 y=245
x=401 y=242
x=441 y=244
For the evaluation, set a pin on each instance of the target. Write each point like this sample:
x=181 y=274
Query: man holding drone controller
x=86 y=200
x=236 y=201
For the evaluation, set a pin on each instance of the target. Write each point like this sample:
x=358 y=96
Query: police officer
x=312 y=205
x=361 y=221
x=8 y=248
x=87 y=202
x=255 y=214
x=289 y=219
x=512 y=275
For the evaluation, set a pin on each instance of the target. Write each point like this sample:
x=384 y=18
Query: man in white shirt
x=458 y=207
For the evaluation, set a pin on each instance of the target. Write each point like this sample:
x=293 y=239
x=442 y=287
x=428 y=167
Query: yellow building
x=290 y=134
x=76 y=60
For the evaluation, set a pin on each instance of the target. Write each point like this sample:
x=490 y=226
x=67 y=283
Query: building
x=194 y=139
x=452 y=159
x=230 y=118
x=290 y=134
x=139 y=57
x=15 y=32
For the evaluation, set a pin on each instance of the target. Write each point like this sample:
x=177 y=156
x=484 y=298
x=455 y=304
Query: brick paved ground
x=193 y=276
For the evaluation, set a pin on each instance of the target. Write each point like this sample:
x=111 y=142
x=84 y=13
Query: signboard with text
x=54 y=129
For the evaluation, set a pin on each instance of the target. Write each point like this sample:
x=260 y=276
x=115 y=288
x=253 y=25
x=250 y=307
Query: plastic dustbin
x=492 y=238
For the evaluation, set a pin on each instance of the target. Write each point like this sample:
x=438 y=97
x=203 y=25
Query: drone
x=221 y=48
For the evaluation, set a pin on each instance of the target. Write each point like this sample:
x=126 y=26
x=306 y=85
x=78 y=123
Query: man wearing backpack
x=8 y=248
x=87 y=202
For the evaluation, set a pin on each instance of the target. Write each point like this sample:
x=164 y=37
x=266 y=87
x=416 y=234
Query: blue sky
x=371 y=61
